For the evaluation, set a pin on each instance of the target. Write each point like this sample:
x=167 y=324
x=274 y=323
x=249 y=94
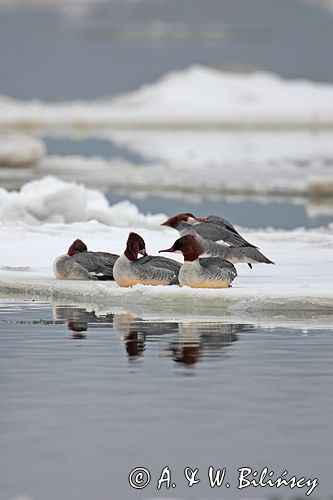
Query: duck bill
x=200 y=219
x=166 y=223
x=167 y=250
x=143 y=252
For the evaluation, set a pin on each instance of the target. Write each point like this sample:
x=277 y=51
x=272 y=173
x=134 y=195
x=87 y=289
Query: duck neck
x=131 y=255
x=191 y=261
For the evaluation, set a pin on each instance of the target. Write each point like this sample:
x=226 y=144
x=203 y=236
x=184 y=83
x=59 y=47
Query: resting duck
x=130 y=270
x=80 y=264
x=211 y=231
x=210 y=272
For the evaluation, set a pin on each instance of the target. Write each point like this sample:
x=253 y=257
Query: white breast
x=193 y=274
x=122 y=272
x=65 y=268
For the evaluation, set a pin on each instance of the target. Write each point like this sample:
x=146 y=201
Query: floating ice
x=200 y=161
x=194 y=97
x=280 y=177
x=298 y=282
x=20 y=150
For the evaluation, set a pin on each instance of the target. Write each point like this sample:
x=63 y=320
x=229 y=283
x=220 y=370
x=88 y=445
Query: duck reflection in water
x=78 y=329
x=190 y=340
x=79 y=319
x=134 y=332
x=196 y=338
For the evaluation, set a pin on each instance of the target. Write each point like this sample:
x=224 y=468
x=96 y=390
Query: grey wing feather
x=216 y=232
x=96 y=264
x=110 y=257
x=255 y=255
x=169 y=266
x=215 y=219
x=161 y=262
x=208 y=262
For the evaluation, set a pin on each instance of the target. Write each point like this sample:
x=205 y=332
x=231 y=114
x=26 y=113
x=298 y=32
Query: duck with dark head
x=80 y=264
x=130 y=270
x=196 y=272
x=218 y=237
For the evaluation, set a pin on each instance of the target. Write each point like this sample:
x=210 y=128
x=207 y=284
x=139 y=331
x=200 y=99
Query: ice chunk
x=20 y=150
x=196 y=96
x=53 y=200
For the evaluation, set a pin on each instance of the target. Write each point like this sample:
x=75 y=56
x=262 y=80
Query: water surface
x=87 y=397
x=115 y=47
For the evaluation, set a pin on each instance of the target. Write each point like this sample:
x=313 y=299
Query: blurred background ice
x=232 y=137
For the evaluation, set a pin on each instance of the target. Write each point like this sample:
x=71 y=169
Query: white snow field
x=38 y=224
x=197 y=96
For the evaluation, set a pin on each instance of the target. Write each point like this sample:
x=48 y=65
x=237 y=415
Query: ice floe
x=20 y=150
x=278 y=178
x=275 y=177
x=297 y=283
x=197 y=96
x=203 y=162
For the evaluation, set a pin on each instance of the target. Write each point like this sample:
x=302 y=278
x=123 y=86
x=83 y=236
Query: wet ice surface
x=90 y=395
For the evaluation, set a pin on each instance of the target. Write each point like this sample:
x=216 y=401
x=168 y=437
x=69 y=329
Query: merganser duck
x=210 y=272
x=210 y=231
x=147 y=270
x=80 y=264
x=216 y=229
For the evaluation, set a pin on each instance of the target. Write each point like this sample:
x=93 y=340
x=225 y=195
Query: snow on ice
x=227 y=99
x=47 y=222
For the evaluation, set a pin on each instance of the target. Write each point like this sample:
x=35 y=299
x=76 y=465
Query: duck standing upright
x=80 y=264
x=129 y=270
x=196 y=272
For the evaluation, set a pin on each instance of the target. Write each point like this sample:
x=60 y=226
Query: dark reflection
x=78 y=319
x=188 y=341
x=78 y=329
x=135 y=344
x=196 y=338
x=191 y=339
x=134 y=332
x=186 y=354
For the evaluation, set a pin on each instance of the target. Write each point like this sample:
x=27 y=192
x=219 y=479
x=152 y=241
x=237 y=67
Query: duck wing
x=158 y=264
x=215 y=219
x=97 y=265
x=208 y=262
x=161 y=262
x=217 y=232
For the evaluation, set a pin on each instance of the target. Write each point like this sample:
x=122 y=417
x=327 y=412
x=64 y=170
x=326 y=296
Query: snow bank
x=57 y=201
x=20 y=150
x=297 y=284
x=194 y=97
